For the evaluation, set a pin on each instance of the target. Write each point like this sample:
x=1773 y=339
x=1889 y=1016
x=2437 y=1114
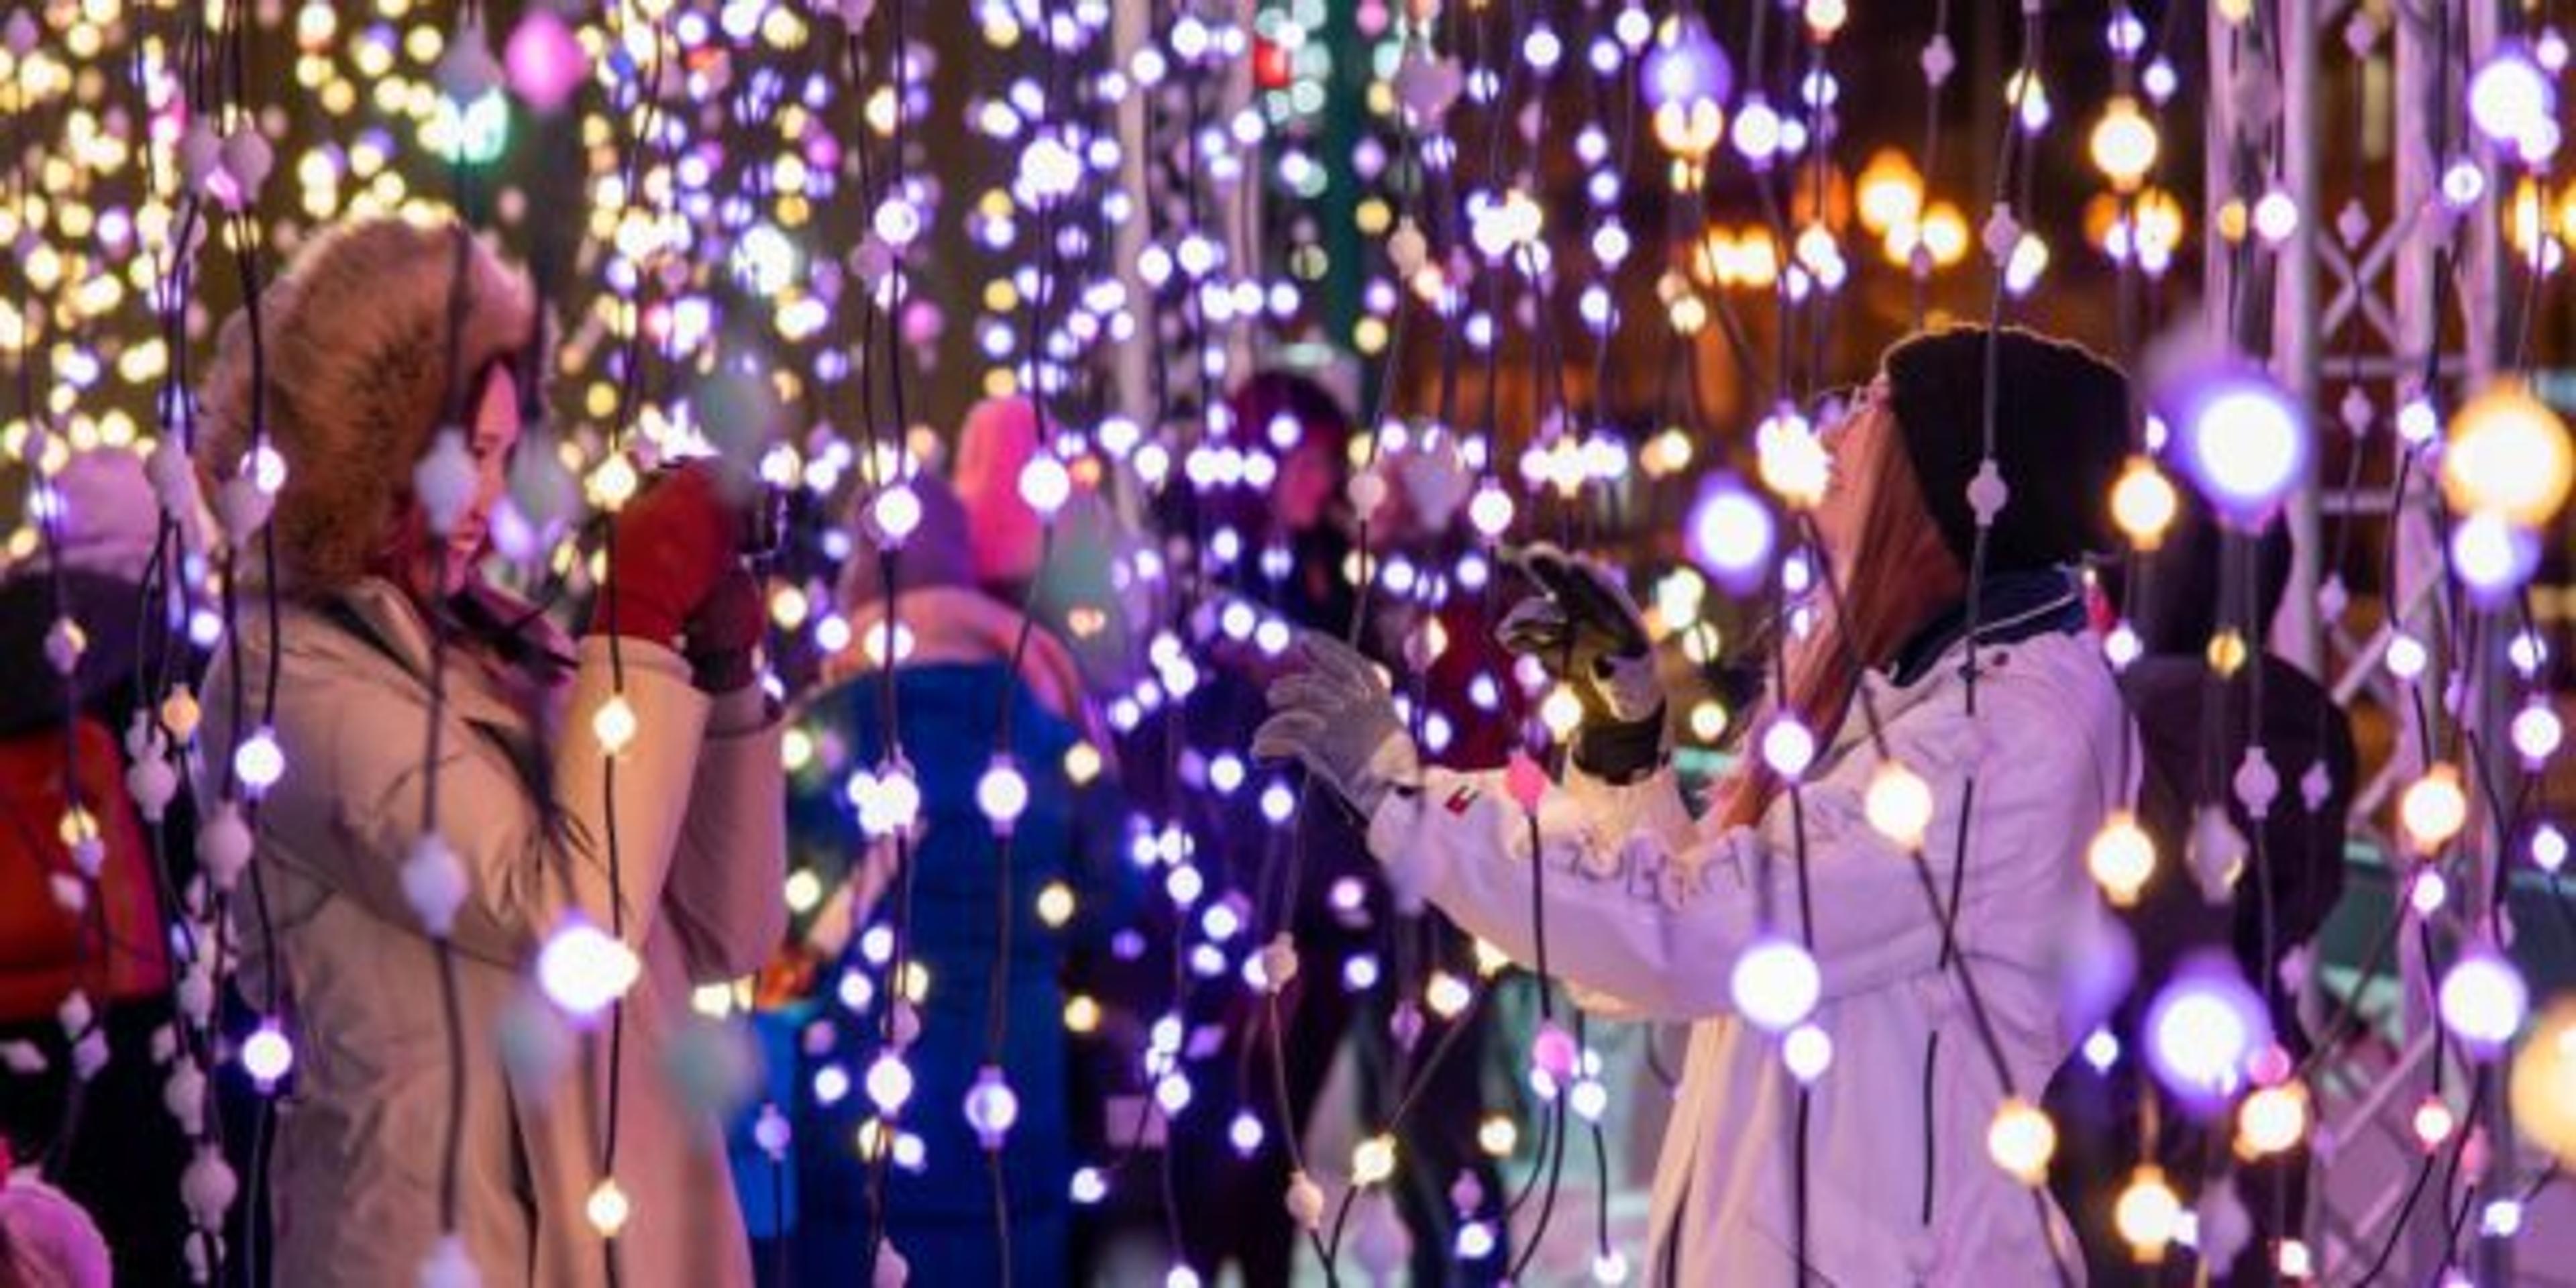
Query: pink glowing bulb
x=1553 y=1052
x=546 y=61
x=1525 y=782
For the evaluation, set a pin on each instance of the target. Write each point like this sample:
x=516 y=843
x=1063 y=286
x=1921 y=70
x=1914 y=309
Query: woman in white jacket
x=1672 y=918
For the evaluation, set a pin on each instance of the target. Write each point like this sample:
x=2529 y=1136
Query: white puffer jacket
x=1647 y=907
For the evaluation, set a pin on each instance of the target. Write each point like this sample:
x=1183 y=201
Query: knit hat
x=997 y=441
x=938 y=552
x=110 y=520
x=2061 y=436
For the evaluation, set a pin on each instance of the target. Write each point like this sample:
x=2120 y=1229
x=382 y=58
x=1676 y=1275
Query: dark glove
x=675 y=542
x=1585 y=630
x=724 y=634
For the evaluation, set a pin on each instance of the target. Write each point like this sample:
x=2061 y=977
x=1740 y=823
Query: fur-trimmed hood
x=356 y=344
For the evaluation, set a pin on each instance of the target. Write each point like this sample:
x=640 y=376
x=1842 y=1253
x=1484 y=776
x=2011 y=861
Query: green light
x=478 y=138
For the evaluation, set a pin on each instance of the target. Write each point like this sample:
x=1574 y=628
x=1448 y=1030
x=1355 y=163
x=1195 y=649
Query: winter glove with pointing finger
x=1337 y=718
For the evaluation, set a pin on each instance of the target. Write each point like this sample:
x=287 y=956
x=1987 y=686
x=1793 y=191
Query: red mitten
x=725 y=632
x=674 y=544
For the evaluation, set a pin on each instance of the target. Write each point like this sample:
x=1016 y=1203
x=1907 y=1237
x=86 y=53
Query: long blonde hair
x=1898 y=574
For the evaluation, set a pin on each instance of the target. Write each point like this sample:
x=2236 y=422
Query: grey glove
x=1586 y=631
x=1337 y=719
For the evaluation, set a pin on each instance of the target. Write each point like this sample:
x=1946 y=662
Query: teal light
x=476 y=137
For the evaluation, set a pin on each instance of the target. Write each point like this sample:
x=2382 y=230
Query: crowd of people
x=1024 y=955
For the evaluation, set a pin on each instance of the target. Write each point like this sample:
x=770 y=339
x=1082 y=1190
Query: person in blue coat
x=994 y=940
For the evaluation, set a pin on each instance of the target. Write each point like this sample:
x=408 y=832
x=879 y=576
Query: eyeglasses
x=1836 y=410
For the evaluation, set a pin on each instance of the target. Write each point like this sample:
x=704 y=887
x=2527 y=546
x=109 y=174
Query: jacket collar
x=2019 y=607
x=2012 y=606
x=380 y=616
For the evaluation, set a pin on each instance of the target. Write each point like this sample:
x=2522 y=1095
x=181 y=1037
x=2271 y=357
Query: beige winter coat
x=699 y=827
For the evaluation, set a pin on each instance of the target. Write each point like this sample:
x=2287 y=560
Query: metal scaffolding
x=2401 y=280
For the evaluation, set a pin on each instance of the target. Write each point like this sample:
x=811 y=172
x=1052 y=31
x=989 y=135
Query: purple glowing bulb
x=2203 y=1029
x=1686 y=65
x=2246 y=442
x=1731 y=534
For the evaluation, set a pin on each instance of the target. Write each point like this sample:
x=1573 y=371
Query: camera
x=763 y=513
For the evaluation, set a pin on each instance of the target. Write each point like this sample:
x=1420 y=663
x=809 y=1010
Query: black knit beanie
x=2061 y=437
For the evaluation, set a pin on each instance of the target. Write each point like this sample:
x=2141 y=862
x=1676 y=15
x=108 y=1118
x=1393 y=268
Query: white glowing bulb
x=2508 y=453
x=1898 y=804
x=2500 y=1219
x=2510 y=96
x=1731 y=535
x=1244 y=1133
x=2276 y=217
x=1808 y=1051
x=2121 y=858
x=2248 y=445
x=2406 y=657
x=1002 y=794
x=1172 y=1094
x=832 y=1082
x=2147 y=1212
x=1447 y=995
x=1373 y=1161
x=889 y=1083
x=613 y=484
x=607 y=1208
x=2536 y=731
x=1045 y=484
x=2143 y=502
x=1561 y=711
x=2427 y=892
x=1490 y=511
x=2433 y=1123
x=266 y=1055
x=1775 y=984
x=1792 y=460
x=1589 y=1099
x=2548 y=847
x=2020 y=1140
x=1787 y=747
x=2492 y=556
x=891 y=802
x=2483 y=1001
x=991 y=1107
x=259 y=762
x=1757 y=130
x=895 y=513
x=2124 y=143
x=613 y=724
x=1048 y=169
x=585 y=971
x=2271 y=1120
x=2101 y=1050
x=2202 y=1029
x=2434 y=808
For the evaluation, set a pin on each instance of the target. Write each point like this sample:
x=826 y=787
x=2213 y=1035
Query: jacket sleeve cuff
x=1413 y=868
x=737 y=712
